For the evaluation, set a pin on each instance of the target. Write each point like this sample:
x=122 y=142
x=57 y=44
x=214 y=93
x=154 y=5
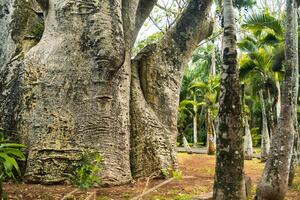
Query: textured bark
x=274 y=182
x=21 y=29
x=157 y=74
x=229 y=181
x=79 y=89
x=265 y=137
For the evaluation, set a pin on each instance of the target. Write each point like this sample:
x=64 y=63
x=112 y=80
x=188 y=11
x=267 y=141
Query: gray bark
x=78 y=88
x=265 y=137
x=21 y=29
x=248 y=146
x=229 y=181
x=274 y=182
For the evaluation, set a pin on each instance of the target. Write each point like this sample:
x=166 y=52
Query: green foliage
x=87 y=172
x=243 y=3
x=183 y=197
x=10 y=153
x=264 y=21
x=256 y=137
x=143 y=43
x=177 y=175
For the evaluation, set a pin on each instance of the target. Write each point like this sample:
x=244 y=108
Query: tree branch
x=191 y=27
x=143 y=11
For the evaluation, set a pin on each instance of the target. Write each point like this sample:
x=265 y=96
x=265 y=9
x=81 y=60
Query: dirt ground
x=198 y=172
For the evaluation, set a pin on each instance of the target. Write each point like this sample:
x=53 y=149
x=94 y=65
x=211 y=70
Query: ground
x=198 y=172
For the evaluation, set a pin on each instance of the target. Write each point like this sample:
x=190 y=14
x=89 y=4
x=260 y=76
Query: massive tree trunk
x=229 y=181
x=21 y=28
x=274 y=182
x=79 y=89
x=265 y=137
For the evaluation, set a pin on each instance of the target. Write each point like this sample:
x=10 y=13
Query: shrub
x=87 y=172
x=9 y=154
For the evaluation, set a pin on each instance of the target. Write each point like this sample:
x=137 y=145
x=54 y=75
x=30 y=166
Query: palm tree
x=229 y=181
x=269 y=32
x=209 y=93
x=258 y=61
x=274 y=182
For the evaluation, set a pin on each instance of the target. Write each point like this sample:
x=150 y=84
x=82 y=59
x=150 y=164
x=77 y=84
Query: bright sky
x=149 y=28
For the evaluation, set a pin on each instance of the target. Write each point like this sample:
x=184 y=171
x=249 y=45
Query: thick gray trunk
x=265 y=137
x=274 y=182
x=78 y=88
x=21 y=29
x=75 y=92
x=229 y=181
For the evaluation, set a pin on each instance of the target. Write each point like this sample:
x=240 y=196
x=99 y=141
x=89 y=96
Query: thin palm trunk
x=270 y=115
x=274 y=182
x=265 y=138
x=248 y=145
x=186 y=145
x=210 y=134
x=278 y=102
x=229 y=181
x=195 y=118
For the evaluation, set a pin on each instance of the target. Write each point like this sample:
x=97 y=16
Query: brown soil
x=198 y=171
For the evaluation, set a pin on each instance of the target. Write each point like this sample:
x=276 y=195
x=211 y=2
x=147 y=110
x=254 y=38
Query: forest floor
x=198 y=172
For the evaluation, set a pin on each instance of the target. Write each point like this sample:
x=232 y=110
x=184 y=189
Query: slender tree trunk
x=195 y=127
x=229 y=181
x=270 y=115
x=274 y=182
x=211 y=149
x=278 y=102
x=248 y=146
x=265 y=137
x=186 y=145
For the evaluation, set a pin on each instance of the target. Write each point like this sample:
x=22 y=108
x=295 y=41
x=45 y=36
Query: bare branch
x=143 y=11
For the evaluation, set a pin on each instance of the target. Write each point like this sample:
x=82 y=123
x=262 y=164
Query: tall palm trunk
x=195 y=118
x=265 y=138
x=248 y=145
x=210 y=134
x=186 y=145
x=229 y=181
x=274 y=182
x=278 y=102
x=270 y=115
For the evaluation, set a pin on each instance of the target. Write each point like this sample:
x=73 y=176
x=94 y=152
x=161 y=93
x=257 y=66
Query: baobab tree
x=79 y=88
x=274 y=182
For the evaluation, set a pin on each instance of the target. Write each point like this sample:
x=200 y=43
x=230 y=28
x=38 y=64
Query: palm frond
x=258 y=21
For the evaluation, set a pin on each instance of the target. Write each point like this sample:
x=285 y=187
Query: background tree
x=276 y=173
